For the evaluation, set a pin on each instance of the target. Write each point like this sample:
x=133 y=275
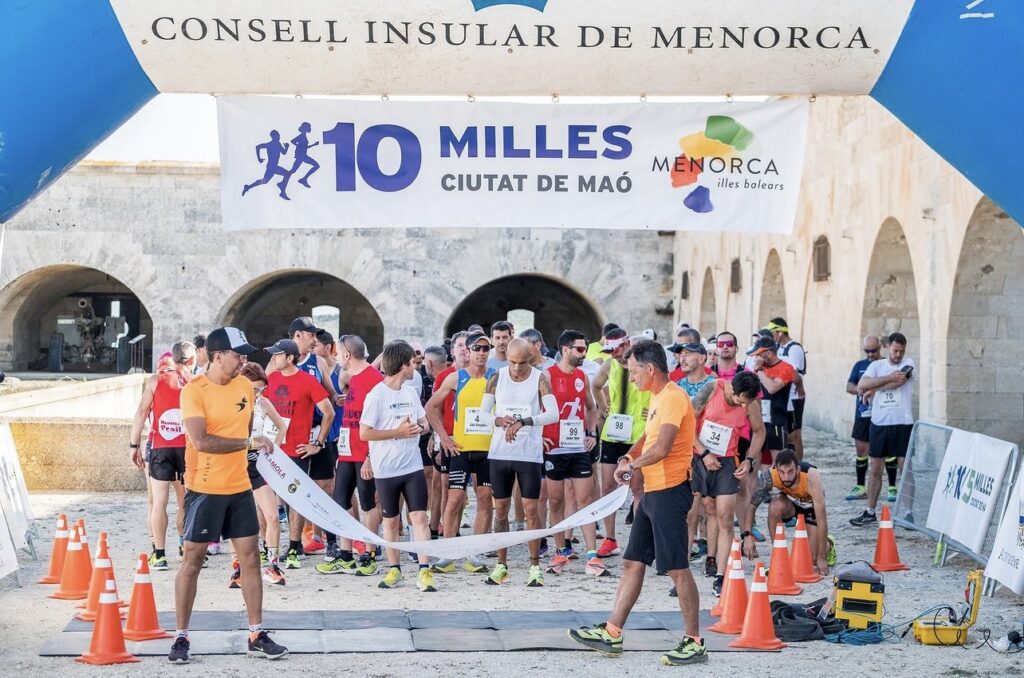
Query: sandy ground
x=29 y=617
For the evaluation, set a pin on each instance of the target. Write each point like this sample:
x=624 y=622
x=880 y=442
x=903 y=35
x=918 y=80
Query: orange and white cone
x=60 y=549
x=887 y=556
x=74 y=578
x=734 y=609
x=803 y=562
x=101 y=567
x=758 y=628
x=107 y=644
x=143 y=623
x=780 y=575
x=734 y=554
x=84 y=538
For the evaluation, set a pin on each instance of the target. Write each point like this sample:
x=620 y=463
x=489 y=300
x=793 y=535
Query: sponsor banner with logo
x=1006 y=562
x=514 y=47
x=306 y=497
x=306 y=163
x=13 y=494
x=968 y=486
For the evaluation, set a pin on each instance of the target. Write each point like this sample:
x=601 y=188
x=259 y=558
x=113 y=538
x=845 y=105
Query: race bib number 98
x=619 y=428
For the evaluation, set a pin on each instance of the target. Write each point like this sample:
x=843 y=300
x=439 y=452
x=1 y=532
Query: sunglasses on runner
x=725 y=343
x=579 y=349
x=479 y=348
x=869 y=351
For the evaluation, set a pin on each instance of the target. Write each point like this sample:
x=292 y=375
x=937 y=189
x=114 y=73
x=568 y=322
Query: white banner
x=968 y=486
x=307 y=163
x=306 y=497
x=513 y=47
x=1006 y=562
x=8 y=551
x=13 y=493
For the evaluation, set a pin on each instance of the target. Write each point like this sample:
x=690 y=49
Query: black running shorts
x=412 y=487
x=565 y=466
x=319 y=466
x=213 y=517
x=612 y=452
x=659 y=528
x=167 y=463
x=347 y=480
x=461 y=468
x=505 y=473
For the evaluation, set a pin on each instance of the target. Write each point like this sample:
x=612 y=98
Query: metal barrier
x=927 y=447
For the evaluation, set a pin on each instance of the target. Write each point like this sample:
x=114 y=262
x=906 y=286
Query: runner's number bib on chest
x=270 y=431
x=620 y=427
x=344 y=447
x=715 y=438
x=476 y=422
x=889 y=400
x=570 y=433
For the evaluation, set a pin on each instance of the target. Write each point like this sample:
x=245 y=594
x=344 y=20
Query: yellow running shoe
x=536 y=576
x=474 y=564
x=443 y=566
x=425 y=581
x=392 y=579
x=499 y=575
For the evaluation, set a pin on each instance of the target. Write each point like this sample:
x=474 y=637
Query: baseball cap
x=615 y=338
x=692 y=347
x=303 y=324
x=475 y=337
x=649 y=333
x=763 y=344
x=229 y=339
x=286 y=346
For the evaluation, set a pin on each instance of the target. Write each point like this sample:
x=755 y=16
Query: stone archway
x=556 y=306
x=707 y=305
x=984 y=379
x=773 y=291
x=264 y=307
x=86 y=313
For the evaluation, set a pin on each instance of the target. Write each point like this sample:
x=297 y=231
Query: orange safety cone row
x=758 y=629
x=734 y=609
x=887 y=557
x=803 y=562
x=107 y=644
x=60 y=549
x=734 y=554
x=101 y=567
x=143 y=623
x=74 y=578
x=84 y=538
x=780 y=575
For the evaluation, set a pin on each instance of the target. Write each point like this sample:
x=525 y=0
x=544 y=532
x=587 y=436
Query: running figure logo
x=275 y=150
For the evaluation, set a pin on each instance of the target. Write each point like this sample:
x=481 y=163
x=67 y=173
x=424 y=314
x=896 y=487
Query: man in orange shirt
x=664 y=455
x=217 y=410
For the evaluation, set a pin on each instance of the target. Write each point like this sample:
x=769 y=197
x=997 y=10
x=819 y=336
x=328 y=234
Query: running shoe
x=332 y=552
x=710 y=566
x=757 y=534
x=367 y=566
x=264 y=558
x=688 y=651
x=179 y=651
x=543 y=547
x=263 y=646
x=558 y=564
x=392 y=578
x=282 y=515
x=831 y=558
x=337 y=566
x=672 y=593
x=892 y=493
x=236 y=577
x=159 y=564
x=858 y=492
x=597 y=638
x=474 y=564
x=291 y=561
x=314 y=546
x=359 y=547
x=629 y=516
x=716 y=588
x=570 y=553
x=519 y=526
x=206 y=561
x=444 y=566
x=536 y=577
x=273 y=575
x=499 y=575
x=864 y=519
x=425 y=581
x=609 y=548
x=213 y=548
x=596 y=567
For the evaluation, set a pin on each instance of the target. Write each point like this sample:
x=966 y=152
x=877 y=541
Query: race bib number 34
x=715 y=438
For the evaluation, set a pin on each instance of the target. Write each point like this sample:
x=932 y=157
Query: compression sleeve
x=550 y=413
x=487 y=405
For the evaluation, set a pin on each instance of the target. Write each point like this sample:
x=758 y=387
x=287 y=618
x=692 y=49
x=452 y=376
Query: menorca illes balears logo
x=535 y=4
x=722 y=140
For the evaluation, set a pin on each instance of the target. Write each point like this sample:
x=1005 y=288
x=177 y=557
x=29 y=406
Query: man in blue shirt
x=862 y=415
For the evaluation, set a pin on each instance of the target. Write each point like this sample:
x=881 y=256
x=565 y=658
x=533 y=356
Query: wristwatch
x=704 y=454
x=316 y=443
x=134 y=446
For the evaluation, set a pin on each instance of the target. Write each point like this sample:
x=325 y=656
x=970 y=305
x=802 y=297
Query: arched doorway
x=265 y=307
x=707 y=305
x=555 y=306
x=67 y=318
x=984 y=350
x=890 y=298
x=773 y=291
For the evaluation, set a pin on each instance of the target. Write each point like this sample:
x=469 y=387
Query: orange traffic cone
x=107 y=645
x=758 y=629
x=734 y=609
x=803 y=563
x=734 y=554
x=780 y=576
x=99 y=581
x=84 y=538
x=142 y=620
x=60 y=549
x=887 y=557
x=74 y=578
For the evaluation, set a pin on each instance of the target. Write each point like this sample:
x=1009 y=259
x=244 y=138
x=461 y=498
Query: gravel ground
x=30 y=617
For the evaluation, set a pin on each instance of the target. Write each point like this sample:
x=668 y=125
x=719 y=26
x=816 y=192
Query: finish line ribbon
x=305 y=496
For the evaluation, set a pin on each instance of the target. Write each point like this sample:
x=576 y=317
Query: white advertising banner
x=13 y=494
x=514 y=47
x=306 y=497
x=968 y=486
x=8 y=551
x=1006 y=562
x=305 y=163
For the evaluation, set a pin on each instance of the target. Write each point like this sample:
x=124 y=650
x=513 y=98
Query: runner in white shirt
x=392 y=422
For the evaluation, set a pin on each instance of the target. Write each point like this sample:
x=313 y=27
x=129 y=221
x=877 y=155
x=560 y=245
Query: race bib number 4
x=344 y=447
x=570 y=433
x=715 y=438
x=888 y=400
x=477 y=422
x=619 y=428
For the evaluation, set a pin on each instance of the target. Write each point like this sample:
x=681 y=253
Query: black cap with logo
x=229 y=339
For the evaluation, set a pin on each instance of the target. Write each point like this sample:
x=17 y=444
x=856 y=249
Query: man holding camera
x=887 y=385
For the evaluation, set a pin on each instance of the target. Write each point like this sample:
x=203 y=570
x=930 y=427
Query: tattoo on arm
x=544 y=386
x=492 y=383
x=700 y=401
x=764 y=487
